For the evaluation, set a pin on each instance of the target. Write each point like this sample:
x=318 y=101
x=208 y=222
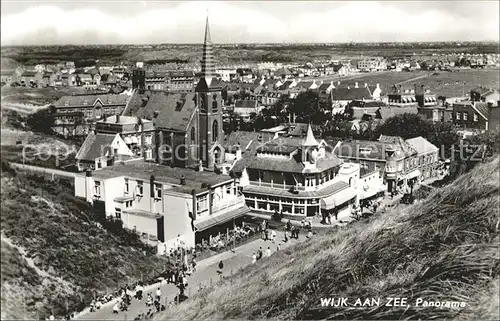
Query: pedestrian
x=268 y=252
x=193 y=263
x=116 y=308
x=310 y=234
x=260 y=254
x=266 y=232
x=329 y=218
x=273 y=236
x=254 y=258
x=286 y=237
x=279 y=247
x=288 y=225
x=221 y=266
x=158 y=294
x=149 y=301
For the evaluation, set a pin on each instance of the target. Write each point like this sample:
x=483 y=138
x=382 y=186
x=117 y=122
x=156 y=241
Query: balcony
x=278 y=186
x=224 y=207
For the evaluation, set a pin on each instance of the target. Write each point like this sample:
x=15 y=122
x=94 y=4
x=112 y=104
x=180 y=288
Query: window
x=127 y=187
x=458 y=116
x=193 y=135
x=158 y=189
x=228 y=189
x=97 y=188
x=476 y=117
x=202 y=203
x=465 y=115
x=118 y=213
x=140 y=188
x=214 y=106
x=215 y=131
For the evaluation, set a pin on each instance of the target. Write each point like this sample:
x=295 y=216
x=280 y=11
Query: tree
x=442 y=135
x=41 y=121
x=306 y=108
x=405 y=125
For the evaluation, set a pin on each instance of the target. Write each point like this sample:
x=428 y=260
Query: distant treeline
x=166 y=61
x=52 y=55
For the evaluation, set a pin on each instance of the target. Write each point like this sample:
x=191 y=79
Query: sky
x=152 y=22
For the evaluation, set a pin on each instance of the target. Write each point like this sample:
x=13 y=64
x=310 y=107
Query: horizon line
x=261 y=43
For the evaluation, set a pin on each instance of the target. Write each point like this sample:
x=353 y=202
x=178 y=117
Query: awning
x=413 y=174
x=134 y=140
x=222 y=218
x=328 y=203
x=127 y=140
x=338 y=198
x=371 y=191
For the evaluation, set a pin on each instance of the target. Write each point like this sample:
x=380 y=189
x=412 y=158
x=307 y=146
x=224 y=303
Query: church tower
x=209 y=101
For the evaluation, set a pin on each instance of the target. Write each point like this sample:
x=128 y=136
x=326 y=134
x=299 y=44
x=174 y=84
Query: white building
x=160 y=202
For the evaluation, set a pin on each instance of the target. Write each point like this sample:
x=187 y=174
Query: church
x=188 y=126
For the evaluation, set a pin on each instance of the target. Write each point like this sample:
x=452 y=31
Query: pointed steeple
x=310 y=140
x=207 y=60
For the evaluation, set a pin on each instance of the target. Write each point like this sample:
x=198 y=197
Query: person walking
x=158 y=295
x=273 y=236
x=260 y=254
x=221 y=266
x=254 y=258
x=278 y=247
x=268 y=252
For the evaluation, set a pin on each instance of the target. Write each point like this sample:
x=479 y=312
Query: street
x=205 y=275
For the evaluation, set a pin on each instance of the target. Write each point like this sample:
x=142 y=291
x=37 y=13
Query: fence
x=45 y=172
x=208 y=252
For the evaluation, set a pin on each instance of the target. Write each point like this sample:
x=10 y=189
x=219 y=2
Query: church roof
x=175 y=110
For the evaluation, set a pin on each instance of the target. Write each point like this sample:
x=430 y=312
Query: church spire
x=207 y=60
x=310 y=140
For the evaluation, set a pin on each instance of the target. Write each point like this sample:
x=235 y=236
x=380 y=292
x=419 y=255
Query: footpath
x=205 y=276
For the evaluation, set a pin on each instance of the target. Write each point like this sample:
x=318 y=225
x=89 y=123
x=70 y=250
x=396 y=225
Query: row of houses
x=293 y=174
x=86 y=79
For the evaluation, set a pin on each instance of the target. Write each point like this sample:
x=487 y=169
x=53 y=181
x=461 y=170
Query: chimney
x=152 y=185
x=117 y=118
x=356 y=85
x=183 y=180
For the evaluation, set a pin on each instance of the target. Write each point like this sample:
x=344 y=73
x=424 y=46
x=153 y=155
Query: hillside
x=8 y=63
x=56 y=253
x=445 y=248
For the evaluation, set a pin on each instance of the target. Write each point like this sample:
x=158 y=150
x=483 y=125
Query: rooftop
x=123 y=120
x=142 y=170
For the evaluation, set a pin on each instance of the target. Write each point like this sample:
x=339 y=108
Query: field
x=35 y=96
x=448 y=84
x=444 y=248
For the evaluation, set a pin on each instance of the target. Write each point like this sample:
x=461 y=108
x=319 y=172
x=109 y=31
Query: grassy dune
x=55 y=251
x=444 y=248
